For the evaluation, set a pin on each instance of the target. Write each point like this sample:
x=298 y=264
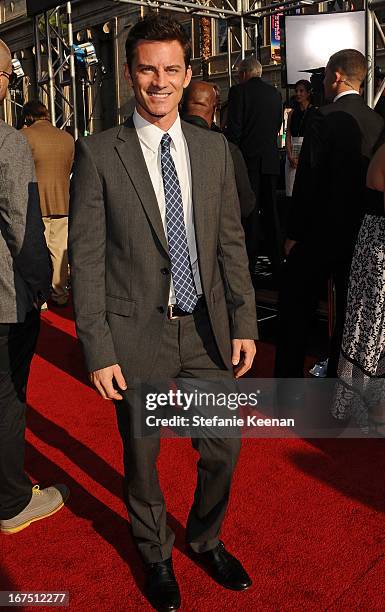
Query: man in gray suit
x=162 y=290
x=25 y=278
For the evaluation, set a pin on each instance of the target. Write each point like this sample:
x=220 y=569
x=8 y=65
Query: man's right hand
x=103 y=381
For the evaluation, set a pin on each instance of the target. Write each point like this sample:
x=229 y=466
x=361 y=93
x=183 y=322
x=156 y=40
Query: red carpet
x=306 y=518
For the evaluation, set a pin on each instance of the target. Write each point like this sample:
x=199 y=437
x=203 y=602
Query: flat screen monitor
x=312 y=39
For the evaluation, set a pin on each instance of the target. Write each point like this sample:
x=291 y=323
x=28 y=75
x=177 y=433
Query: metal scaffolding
x=215 y=9
x=372 y=27
x=249 y=13
x=245 y=13
x=55 y=46
x=55 y=65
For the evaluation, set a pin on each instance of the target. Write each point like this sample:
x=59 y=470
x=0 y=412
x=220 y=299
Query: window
x=188 y=27
x=11 y=9
x=220 y=36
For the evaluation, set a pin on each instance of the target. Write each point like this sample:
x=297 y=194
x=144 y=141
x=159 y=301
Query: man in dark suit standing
x=254 y=120
x=199 y=106
x=329 y=203
x=25 y=278
x=162 y=290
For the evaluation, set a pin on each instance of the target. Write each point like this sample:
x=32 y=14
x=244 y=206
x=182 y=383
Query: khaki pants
x=56 y=235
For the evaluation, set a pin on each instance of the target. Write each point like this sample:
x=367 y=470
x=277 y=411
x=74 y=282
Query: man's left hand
x=243 y=356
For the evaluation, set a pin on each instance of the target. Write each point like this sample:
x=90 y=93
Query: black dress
x=300 y=119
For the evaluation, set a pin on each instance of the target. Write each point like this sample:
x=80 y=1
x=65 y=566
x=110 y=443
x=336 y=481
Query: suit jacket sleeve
x=20 y=216
x=87 y=252
x=240 y=296
x=245 y=193
x=235 y=114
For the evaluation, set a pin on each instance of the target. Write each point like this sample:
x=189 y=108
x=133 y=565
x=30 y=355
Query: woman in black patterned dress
x=361 y=367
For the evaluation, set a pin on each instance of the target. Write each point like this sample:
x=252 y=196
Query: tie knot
x=165 y=142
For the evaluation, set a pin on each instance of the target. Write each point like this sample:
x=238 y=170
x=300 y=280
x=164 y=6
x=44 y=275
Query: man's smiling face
x=158 y=76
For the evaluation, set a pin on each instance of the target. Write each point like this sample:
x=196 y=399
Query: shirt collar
x=345 y=93
x=150 y=135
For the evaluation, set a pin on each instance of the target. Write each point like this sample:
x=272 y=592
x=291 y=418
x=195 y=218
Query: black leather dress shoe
x=224 y=568
x=161 y=586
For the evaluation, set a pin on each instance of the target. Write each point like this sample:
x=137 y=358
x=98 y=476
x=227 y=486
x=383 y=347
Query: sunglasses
x=12 y=77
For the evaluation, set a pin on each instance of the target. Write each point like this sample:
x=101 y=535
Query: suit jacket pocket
x=120 y=306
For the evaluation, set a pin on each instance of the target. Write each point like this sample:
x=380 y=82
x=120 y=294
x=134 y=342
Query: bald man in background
x=25 y=279
x=199 y=106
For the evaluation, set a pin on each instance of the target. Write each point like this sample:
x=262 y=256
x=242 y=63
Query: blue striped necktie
x=182 y=276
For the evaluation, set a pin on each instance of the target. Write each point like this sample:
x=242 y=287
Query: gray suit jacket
x=25 y=269
x=119 y=253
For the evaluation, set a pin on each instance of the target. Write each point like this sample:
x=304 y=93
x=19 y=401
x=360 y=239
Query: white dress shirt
x=149 y=137
x=345 y=93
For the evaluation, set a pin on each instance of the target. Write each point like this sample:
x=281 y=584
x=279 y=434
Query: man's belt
x=174 y=312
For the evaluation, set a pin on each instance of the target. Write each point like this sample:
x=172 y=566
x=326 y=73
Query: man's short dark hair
x=33 y=111
x=157 y=28
x=350 y=63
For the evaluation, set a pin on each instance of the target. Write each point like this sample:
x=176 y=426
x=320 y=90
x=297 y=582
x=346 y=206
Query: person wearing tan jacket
x=53 y=153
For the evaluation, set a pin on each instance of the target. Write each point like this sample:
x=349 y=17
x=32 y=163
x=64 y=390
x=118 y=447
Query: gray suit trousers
x=187 y=350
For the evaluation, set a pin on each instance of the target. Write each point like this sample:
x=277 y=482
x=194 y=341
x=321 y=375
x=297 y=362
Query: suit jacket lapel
x=130 y=153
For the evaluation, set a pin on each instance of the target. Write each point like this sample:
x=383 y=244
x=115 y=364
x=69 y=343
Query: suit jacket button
x=165 y=271
x=160 y=309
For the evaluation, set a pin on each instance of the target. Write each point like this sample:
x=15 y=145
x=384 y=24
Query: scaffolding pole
x=72 y=71
x=55 y=65
x=229 y=62
x=370 y=54
x=55 y=48
x=201 y=8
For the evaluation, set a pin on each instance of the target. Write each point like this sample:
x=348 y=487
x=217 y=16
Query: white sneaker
x=44 y=503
